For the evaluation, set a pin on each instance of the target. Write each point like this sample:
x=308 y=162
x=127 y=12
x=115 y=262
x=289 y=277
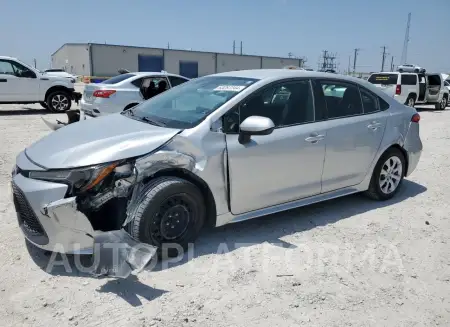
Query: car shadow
x=129 y=289
x=268 y=229
x=25 y=111
x=272 y=228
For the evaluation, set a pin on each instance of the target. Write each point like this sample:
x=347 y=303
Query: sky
x=32 y=29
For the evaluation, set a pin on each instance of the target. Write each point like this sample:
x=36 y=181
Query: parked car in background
x=124 y=91
x=411 y=88
x=410 y=68
x=219 y=149
x=60 y=72
x=23 y=84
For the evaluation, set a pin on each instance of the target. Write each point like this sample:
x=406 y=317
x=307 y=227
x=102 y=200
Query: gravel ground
x=346 y=262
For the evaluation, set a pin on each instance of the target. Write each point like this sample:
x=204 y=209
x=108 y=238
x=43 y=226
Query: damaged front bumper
x=52 y=222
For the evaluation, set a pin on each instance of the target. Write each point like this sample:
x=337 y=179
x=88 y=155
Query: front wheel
x=43 y=105
x=59 y=101
x=170 y=211
x=387 y=175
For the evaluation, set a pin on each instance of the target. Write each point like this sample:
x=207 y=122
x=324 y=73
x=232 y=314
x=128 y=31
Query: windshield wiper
x=153 y=122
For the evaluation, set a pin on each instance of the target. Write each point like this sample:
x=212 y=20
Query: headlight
x=82 y=179
x=72 y=80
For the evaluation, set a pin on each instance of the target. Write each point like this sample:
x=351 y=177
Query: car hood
x=97 y=140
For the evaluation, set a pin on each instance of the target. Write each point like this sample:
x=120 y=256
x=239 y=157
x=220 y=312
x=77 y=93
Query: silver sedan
x=215 y=150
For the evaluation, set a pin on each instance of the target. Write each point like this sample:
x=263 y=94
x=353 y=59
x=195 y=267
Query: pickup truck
x=23 y=84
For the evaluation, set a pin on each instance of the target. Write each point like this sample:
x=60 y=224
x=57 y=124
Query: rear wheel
x=443 y=104
x=59 y=101
x=171 y=211
x=410 y=102
x=387 y=175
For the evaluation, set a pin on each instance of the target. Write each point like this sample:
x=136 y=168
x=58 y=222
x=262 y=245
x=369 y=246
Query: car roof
x=286 y=73
x=6 y=57
x=155 y=74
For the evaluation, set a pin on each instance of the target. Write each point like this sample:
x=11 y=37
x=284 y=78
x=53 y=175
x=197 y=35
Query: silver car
x=215 y=150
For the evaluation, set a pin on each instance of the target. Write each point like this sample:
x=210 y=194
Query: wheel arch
x=57 y=88
x=210 y=203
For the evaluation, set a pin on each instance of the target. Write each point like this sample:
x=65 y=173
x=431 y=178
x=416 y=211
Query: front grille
x=27 y=218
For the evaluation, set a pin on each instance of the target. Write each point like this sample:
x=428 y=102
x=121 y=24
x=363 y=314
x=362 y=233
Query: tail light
x=103 y=93
x=415 y=118
x=398 y=89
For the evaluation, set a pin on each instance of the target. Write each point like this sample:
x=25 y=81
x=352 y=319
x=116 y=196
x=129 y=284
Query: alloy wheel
x=60 y=102
x=390 y=175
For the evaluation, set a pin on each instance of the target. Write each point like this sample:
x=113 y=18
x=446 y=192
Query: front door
x=17 y=82
x=285 y=165
x=354 y=133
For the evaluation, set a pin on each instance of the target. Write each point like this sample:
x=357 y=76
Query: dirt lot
x=347 y=262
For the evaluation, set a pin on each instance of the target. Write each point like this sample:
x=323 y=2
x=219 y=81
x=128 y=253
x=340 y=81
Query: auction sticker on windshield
x=231 y=88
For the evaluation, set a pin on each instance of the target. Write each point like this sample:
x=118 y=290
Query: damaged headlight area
x=81 y=180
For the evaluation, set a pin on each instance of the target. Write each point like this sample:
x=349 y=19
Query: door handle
x=374 y=125
x=3 y=80
x=314 y=138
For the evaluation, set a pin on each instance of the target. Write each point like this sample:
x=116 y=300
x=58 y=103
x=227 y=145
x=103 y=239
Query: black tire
x=375 y=192
x=410 y=101
x=443 y=104
x=61 y=97
x=166 y=197
x=43 y=105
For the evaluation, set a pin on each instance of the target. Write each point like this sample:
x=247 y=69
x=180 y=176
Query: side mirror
x=255 y=125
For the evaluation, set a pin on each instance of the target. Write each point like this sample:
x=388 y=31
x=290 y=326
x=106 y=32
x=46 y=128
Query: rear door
x=387 y=82
x=354 y=132
x=434 y=84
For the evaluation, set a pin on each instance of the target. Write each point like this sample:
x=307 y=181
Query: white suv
x=411 y=88
x=23 y=84
x=124 y=91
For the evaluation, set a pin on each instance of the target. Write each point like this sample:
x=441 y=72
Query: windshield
x=117 y=79
x=188 y=104
x=446 y=83
x=385 y=79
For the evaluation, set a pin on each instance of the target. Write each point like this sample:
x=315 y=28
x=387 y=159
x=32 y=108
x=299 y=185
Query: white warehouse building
x=104 y=60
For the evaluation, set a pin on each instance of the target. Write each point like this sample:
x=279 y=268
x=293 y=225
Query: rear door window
x=384 y=79
x=409 y=79
x=174 y=81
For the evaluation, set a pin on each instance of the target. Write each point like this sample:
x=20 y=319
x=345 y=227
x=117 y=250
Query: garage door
x=148 y=63
x=189 y=69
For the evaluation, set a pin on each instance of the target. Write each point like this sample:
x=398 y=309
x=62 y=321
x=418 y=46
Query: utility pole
x=168 y=45
x=234 y=47
x=348 y=69
x=392 y=64
x=241 y=48
x=34 y=60
x=406 y=41
x=383 y=58
x=354 y=59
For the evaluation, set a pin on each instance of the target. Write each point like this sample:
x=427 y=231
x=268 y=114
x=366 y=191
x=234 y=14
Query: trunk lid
x=89 y=90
